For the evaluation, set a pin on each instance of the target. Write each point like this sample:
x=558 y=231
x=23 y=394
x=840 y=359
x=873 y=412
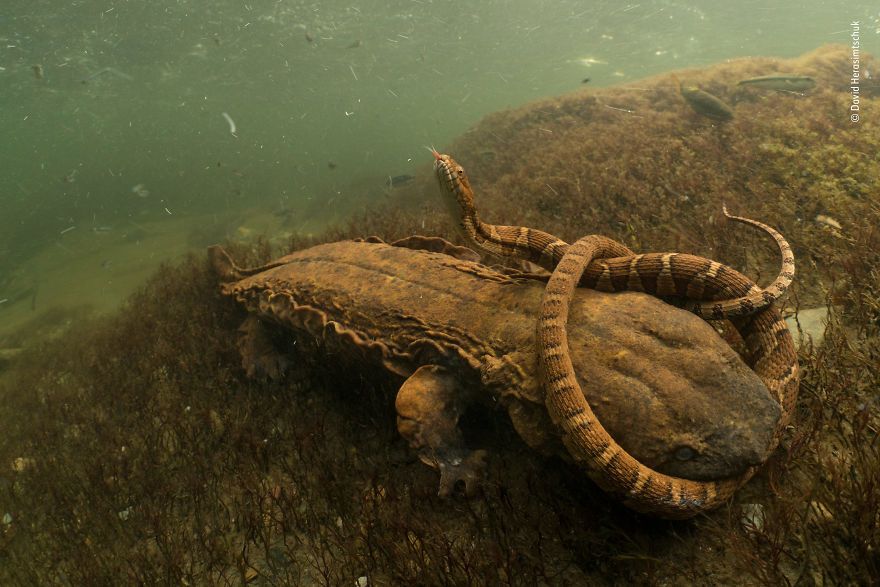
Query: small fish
x=355 y=44
x=331 y=164
x=586 y=80
x=21 y=295
x=399 y=180
x=781 y=82
x=38 y=71
x=704 y=103
x=309 y=37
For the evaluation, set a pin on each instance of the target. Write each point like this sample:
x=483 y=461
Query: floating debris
x=38 y=71
x=140 y=190
x=199 y=50
x=113 y=72
x=590 y=61
x=70 y=177
x=310 y=37
x=780 y=82
x=809 y=325
x=102 y=229
x=627 y=110
x=753 y=517
x=704 y=103
x=22 y=464
x=828 y=221
x=231 y=122
x=68 y=229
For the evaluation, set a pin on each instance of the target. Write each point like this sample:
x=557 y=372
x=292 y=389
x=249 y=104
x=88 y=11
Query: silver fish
x=791 y=83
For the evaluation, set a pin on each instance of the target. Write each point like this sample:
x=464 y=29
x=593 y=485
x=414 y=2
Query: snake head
x=455 y=189
x=450 y=174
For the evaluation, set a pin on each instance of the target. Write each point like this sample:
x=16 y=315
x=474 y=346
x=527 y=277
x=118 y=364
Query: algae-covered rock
x=636 y=163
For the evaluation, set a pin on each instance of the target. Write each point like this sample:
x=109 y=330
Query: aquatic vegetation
x=135 y=450
x=634 y=163
x=158 y=461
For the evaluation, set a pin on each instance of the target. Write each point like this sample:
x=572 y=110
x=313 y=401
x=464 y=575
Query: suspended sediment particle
x=231 y=123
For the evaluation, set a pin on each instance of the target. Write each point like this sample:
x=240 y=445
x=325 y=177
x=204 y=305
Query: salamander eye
x=685 y=453
x=460 y=170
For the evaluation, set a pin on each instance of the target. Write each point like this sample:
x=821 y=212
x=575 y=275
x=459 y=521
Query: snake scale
x=712 y=290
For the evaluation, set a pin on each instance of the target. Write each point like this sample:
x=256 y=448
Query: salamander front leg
x=429 y=405
x=259 y=355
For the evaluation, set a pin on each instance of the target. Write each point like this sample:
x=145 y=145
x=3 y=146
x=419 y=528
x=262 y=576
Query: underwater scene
x=425 y=292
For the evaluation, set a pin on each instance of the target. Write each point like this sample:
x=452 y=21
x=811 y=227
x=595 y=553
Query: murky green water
x=135 y=131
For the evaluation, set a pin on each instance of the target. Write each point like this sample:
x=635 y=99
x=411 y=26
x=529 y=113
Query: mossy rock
x=636 y=163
